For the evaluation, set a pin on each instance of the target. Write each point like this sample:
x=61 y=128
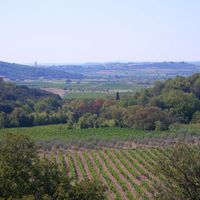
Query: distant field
x=86 y=95
x=81 y=85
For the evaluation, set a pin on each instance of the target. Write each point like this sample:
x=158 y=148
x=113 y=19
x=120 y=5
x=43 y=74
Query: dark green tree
x=117 y=98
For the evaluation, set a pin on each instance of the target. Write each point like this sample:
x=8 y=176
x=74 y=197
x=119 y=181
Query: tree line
x=176 y=100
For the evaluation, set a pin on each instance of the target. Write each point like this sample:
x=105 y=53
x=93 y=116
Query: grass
x=61 y=132
x=107 y=137
x=86 y=95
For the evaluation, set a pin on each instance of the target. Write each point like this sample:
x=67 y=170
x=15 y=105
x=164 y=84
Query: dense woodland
x=173 y=101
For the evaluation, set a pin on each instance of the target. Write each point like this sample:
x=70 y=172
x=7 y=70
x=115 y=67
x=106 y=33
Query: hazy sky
x=99 y=30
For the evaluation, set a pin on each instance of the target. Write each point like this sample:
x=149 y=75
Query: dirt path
x=114 y=181
x=66 y=162
x=85 y=166
x=77 y=168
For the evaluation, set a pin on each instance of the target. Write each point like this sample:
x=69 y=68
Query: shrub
x=181 y=169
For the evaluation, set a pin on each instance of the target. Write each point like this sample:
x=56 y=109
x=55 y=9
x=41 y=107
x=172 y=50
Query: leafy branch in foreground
x=181 y=168
x=23 y=175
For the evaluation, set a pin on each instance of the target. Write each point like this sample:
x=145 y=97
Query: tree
x=181 y=169
x=88 y=120
x=182 y=105
x=178 y=83
x=196 y=117
x=23 y=175
x=18 y=158
x=149 y=118
x=88 y=190
x=3 y=122
x=117 y=96
x=196 y=88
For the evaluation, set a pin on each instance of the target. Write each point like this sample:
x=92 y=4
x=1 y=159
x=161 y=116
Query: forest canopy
x=167 y=102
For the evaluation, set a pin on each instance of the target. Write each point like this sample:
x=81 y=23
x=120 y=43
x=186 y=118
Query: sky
x=77 y=31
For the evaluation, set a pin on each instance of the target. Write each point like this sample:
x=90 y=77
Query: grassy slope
x=61 y=132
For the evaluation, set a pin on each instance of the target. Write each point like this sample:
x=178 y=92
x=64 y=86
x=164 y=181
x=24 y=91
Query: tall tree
x=117 y=96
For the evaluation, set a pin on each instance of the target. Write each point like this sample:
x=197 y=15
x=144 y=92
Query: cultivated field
x=124 y=160
x=61 y=136
x=128 y=174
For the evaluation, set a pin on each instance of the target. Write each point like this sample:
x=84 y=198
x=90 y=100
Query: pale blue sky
x=99 y=30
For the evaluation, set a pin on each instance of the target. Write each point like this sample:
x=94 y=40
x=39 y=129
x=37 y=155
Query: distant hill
x=22 y=72
x=12 y=96
x=149 y=69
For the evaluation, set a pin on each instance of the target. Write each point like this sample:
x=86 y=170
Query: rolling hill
x=22 y=72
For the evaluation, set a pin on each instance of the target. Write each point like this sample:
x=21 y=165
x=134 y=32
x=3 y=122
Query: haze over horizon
x=99 y=31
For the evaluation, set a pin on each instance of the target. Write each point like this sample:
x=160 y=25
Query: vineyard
x=128 y=174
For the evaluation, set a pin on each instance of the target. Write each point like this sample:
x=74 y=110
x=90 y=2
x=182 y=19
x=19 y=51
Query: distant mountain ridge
x=22 y=72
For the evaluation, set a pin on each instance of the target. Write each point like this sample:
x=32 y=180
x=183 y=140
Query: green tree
x=18 y=158
x=23 y=175
x=181 y=104
x=88 y=121
x=3 y=122
x=181 y=169
x=88 y=190
x=149 y=118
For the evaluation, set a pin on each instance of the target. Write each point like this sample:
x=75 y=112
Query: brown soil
x=57 y=91
x=78 y=171
x=85 y=166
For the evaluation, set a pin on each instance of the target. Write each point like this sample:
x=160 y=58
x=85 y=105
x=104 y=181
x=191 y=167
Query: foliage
x=149 y=119
x=23 y=175
x=181 y=169
x=175 y=100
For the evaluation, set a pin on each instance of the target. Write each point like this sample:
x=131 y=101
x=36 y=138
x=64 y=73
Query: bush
x=181 y=169
x=23 y=175
x=147 y=118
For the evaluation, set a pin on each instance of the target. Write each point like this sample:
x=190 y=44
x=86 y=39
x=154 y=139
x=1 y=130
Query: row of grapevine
x=128 y=174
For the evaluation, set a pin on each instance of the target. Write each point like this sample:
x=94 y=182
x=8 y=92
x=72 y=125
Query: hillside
x=12 y=96
x=24 y=72
x=176 y=100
